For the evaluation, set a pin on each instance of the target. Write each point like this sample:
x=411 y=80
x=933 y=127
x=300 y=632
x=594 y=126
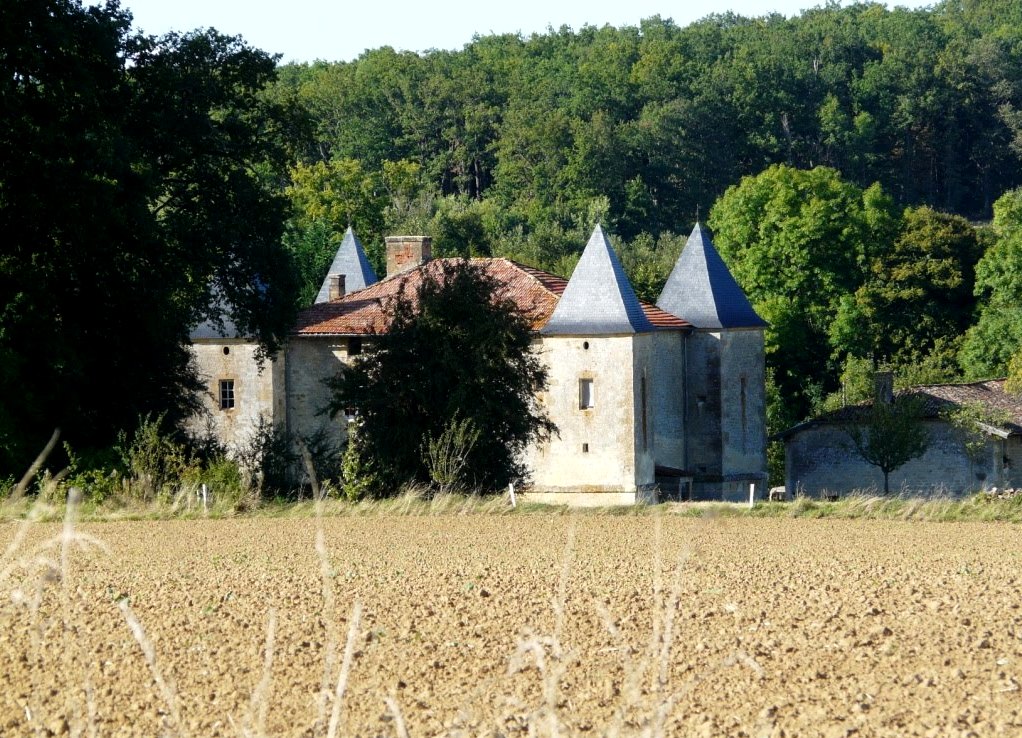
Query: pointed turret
x=599 y=300
x=702 y=291
x=350 y=261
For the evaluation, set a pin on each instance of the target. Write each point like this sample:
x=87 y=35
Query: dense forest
x=846 y=160
x=859 y=168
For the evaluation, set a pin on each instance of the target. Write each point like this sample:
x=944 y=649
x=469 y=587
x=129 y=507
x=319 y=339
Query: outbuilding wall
x=1012 y=462
x=820 y=460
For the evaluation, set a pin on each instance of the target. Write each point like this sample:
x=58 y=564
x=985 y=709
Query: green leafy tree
x=917 y=294
x=797 y=242
x=997 y=335
x=455 y=352
x=890 y=435
x=134 y=197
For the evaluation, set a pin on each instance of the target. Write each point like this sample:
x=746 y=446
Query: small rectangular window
x=226 y=394
x=586 y=395
x=354 y=346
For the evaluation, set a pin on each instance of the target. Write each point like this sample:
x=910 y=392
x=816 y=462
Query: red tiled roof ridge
x=363 y=312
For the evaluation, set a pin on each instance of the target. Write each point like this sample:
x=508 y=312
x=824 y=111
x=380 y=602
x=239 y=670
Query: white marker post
x=511 y=492
x=752 y=495
x=205 y=498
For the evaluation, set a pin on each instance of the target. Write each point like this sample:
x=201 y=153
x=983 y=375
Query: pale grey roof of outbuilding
x=599 y=299
x=350 y=261
x=702 y=291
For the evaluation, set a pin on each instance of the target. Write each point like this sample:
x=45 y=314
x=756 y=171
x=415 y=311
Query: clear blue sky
x=340 y=30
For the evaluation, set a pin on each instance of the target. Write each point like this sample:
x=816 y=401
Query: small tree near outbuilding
x=891 y=434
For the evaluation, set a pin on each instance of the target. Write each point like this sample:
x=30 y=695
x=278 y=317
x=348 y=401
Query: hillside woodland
x=859 y=168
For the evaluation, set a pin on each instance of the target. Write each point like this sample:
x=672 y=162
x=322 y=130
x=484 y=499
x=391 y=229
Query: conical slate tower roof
x=210 y=329
x=702 y=291
x=350 y=261
x=599 y=300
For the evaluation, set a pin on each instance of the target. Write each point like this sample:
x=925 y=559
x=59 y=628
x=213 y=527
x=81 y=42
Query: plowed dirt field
x=506 y=625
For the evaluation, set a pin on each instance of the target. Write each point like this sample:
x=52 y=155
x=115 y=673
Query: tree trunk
x=887 y=487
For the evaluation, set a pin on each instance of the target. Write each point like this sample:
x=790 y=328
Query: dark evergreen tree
x=133 y=191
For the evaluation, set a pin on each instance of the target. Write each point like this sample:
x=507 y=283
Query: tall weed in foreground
x=152 y=458
x=446 y=455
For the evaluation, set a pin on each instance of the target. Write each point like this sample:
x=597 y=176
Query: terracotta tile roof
x=990 y=394
x=937 y=398
x=366 y=311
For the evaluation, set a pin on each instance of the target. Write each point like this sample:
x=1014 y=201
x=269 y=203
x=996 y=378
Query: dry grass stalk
x=330 y=648
x=149 y=651
x=342 y=677
x=399 y=720
x=562 y=583
x=254 y=725
x=22 y=485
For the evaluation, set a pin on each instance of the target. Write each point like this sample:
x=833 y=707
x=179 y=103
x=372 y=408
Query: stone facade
x=310 y=362
x=256 y=390
x=821 y=461
x=667 y=392
x=608 y=446
x=639 y=395
x=726 y=413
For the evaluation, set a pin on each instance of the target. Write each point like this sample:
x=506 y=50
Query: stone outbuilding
x=820 y=460
x=651 y=402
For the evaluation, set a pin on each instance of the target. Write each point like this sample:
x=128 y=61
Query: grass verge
x=416 y=502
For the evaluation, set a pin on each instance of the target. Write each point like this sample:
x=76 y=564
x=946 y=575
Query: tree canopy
x=136 y=192
x=455 y=352
x=797 y=241
x=917 y=294
x=997 y=334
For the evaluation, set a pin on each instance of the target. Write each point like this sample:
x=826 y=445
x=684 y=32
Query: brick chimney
x=336 y=288
x=407 y=252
